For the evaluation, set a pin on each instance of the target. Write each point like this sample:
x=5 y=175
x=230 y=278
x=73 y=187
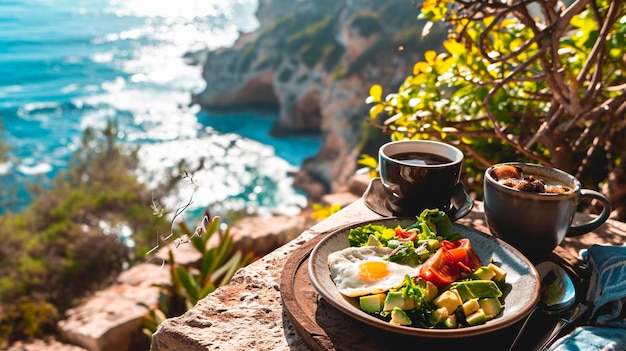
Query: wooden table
x=323 y=327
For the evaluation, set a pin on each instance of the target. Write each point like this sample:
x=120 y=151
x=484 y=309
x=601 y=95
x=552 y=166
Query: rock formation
x=315 y=61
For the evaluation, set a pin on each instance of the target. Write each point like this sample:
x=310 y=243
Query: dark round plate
x=519 y=300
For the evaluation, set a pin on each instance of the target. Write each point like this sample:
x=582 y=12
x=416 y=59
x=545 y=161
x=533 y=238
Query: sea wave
x=5 y=168
x=127 y=61
x=40 y=168
x=230 y=173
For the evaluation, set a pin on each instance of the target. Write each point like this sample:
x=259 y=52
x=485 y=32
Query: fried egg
x=359 y=271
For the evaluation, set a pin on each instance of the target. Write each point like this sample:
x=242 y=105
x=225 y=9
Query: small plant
x=25 y=319
x=67 y=242
x=191 y=284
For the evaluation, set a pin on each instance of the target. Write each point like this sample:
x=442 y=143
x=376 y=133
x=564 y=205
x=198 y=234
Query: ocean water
x=66 y=65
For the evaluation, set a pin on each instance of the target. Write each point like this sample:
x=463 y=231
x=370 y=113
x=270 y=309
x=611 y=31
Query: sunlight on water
x=236 y=174
x=125 y=60
x=178 y=8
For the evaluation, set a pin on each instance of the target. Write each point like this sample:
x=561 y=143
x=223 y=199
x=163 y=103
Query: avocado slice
x=399 y=317
x=451 y=322
x=372 y=303
x=476 y=318
x=500 y=274
x=448 y=299
x=372 y=241
x=439 y=315
x=470 y=306
x=491 y=306
x=483 y=273
x=477 y=289
x=398 y=299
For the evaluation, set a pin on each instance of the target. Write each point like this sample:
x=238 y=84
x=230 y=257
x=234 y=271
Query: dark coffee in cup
x=421 y=158
x=419 y=175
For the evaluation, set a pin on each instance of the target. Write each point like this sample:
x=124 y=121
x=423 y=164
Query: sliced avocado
x=439 y=315
x=372 y=241
x=398 y=299
x=477 y=289
x=491 y=306
x=449 y=300
x=431 y=291
x=431 y=244
x=476 y=318
x=500 y=274
x=470 y=306
x=372 y=303
x=483 y=273
x=399 y=317
x=451 y=322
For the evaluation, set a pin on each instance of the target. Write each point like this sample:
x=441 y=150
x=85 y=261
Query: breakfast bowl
x=520 y=294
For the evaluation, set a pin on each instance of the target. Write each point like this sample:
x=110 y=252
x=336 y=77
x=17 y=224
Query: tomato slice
x=405 y=236
x=462 y=251
x=441 y=268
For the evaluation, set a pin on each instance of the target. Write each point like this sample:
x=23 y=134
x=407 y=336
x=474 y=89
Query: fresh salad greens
x=452 y=288
x=412 y=245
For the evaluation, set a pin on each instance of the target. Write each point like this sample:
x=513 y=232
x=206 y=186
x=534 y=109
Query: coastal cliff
x=315 y=61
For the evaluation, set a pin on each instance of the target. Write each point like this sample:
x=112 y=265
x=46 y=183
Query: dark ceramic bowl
x=536 y=223
x=519 y=300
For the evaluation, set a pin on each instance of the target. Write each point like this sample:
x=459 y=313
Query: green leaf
x=189 y=283
x=228 y=270
x=368 y=161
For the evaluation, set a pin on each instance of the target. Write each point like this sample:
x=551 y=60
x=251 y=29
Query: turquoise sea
x=66 y=65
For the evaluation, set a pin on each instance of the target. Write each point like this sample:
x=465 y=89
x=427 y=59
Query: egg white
x=345 y=271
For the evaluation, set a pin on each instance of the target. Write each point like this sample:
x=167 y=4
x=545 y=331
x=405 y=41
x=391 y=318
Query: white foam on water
x=5 y=168
x=40 y=168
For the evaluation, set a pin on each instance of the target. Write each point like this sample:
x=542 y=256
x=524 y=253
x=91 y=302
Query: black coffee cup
x=419 y=175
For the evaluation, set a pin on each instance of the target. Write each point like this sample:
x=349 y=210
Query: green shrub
x=189 y=285
x=25 y=319
x=66 y=243
x=514 y=85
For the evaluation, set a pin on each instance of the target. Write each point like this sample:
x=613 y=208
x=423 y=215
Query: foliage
x=27 y=318
x=189 y=285
x=68 y=241
x=321 y=212
x=8 y=191
x=528 y=81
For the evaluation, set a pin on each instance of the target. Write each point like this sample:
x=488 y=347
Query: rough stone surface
x=111 y=318
x=243 y=315
x=261 y=235
x=43 y=345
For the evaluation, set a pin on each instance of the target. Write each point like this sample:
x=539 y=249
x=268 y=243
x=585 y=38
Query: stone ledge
x=111 y=318
x=244 y=314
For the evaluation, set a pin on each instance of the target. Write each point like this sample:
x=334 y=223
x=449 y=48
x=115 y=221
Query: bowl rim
x=458 y=154
x=533 y=195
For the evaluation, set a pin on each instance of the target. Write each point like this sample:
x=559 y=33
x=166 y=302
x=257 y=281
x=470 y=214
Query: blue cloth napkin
x=589 y=338
x=606 y=328
x=607 y=285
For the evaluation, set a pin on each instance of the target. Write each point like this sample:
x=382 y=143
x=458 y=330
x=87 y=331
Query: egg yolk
x=373 y=270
